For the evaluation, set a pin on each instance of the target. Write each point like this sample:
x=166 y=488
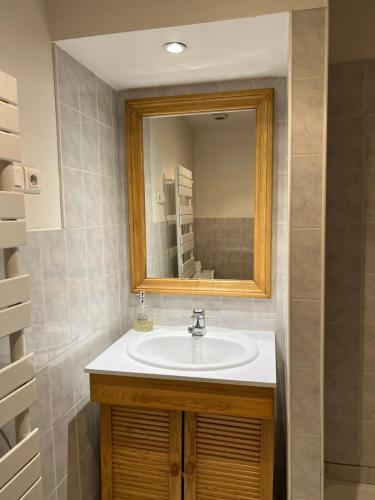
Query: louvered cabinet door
x=141 y=454
x=227 y=458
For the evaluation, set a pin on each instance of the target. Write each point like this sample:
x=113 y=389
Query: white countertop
x=260 y=372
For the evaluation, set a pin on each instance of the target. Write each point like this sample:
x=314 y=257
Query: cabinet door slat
x=225 y=458
x=145 y=454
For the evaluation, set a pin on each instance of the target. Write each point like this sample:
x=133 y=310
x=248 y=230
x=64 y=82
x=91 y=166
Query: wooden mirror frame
x=135 y=110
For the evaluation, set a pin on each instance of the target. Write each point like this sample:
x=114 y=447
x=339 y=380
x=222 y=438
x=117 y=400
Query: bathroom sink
x=177 y=350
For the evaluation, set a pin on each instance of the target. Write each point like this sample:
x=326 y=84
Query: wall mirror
x=200 y=193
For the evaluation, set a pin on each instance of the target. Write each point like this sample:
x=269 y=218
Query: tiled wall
x=350 y=273
x=307 y=163
x=226 y=246
x=78 y=278
x=235 y=312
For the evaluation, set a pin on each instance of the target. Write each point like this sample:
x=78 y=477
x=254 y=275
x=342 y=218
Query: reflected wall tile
x=57 y=323
x=306 y=191
x=65 y=440
x=73 y=197
x=61 y=384
x=90 y=144
x=48 y=463
x=53 y=260
x=76 y=257
x=306 y=467
x=305 y=401
x=40 y=412
x=308 y=43
x=70 y=136
x=94 y=246
x=307 y=110
x=88 y=101
x=305 y=263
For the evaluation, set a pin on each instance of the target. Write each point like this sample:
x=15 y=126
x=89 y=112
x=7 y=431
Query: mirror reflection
x=199 y=195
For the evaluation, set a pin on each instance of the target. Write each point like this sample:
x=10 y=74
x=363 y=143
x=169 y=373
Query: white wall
x=224 y=170
x=26 y=54
x=171 y=144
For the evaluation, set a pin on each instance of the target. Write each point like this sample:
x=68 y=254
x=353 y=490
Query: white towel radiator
x=20 y=467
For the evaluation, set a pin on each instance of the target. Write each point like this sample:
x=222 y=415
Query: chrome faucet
x=198 y=329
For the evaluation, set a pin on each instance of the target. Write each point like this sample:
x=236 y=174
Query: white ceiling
x=223 y=50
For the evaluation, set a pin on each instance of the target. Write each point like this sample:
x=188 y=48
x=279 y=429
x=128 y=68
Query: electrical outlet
x=32 y=180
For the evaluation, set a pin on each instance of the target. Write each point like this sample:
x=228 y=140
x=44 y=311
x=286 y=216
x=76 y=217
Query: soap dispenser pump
x=143 y=319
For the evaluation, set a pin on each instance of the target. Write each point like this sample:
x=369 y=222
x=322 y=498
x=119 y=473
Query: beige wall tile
x=307 y=116
x=305 y=404
x=305 y=263
x=306 y=196
x=308 y=43
x=306 y=467
x=345 y=200
x=305 y=333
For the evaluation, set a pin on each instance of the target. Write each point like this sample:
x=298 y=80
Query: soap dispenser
x=143 y=319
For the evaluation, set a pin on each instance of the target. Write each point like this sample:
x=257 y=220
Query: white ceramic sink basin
x=177 y=350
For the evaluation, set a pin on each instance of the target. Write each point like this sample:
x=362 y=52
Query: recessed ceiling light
x=175 y=47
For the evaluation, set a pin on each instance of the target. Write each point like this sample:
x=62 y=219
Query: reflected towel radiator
x=20 y=467
x=184 y=221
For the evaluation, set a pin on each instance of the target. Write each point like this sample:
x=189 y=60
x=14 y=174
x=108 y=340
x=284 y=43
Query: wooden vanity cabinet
x=168 y=440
